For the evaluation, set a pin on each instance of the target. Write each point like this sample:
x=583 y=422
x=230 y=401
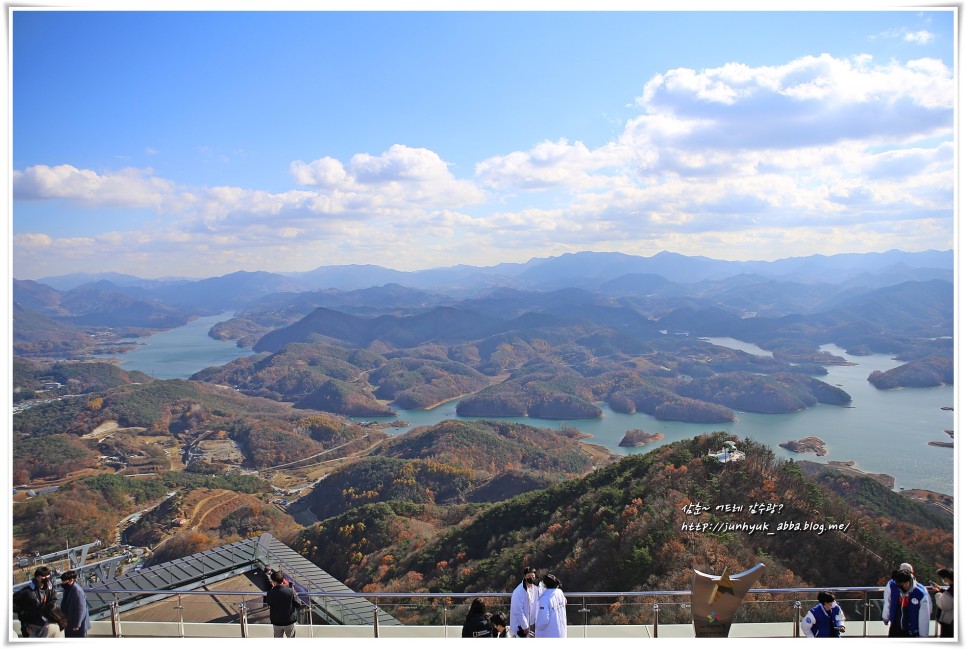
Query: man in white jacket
x=523 y=605
x=552 y=614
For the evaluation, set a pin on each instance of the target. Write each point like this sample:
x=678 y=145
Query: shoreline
x=848 y=468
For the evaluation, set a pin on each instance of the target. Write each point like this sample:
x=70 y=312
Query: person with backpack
x=34 y=602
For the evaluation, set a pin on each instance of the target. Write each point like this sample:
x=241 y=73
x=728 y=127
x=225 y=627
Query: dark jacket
x=283 y=606
x=32 y=604
x=477 y=625
x=74 y=606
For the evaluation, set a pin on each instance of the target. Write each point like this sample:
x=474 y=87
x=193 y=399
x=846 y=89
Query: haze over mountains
x=114 y=299
x=581 y=269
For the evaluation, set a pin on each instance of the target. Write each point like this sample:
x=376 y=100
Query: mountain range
x=582 y=269
x=794 y=285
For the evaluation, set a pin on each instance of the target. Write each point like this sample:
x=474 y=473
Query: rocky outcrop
x=806 y=445
x=637 y=437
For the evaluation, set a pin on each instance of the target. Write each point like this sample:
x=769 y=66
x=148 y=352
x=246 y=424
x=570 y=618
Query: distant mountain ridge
x=580 y=269
x=626 y=292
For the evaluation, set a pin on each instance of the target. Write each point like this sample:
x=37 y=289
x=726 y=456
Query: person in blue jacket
x=915 y=607
x=825 y=619
x=891 y=611
x=74 y=606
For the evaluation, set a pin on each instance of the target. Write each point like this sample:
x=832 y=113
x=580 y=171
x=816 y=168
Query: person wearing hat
x=74 y=606
x=890 y=602
x=523 y=604
x=552 y=610
x=33 y=603
x=825 y=619
x=915 y=607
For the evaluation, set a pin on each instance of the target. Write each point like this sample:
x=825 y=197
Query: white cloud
x=921 y=37
x=126 y=187
x=809 y=153
x=402 y=174
x=549 y=164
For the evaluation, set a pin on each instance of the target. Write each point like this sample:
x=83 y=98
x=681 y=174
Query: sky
x=197 y=143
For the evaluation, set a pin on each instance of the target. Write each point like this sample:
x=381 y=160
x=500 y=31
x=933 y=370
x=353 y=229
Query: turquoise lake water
x=178 y=353
x=882 y=431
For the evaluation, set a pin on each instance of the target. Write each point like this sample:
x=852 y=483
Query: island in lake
x=806 y=445
x=638 y=437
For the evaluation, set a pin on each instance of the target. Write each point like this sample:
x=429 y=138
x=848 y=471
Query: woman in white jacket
x=552 y=611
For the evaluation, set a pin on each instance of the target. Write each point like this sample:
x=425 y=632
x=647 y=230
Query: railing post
x=583 y=609
x=115 y=619
x=444 y=620
x=311 y=622
x=243 y=618
x=796 y=629
x=375 y=621
x=180 y=608
x=865 y=613
x=657 y=614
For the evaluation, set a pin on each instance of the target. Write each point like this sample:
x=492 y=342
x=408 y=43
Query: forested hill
x=640 y=524
x=453 y=463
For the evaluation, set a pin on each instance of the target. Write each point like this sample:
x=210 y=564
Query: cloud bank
x=820 y=154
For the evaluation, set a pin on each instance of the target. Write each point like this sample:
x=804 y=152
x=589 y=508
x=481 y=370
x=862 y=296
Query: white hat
x=907 y=567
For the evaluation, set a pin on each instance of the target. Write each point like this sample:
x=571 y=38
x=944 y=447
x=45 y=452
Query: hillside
x=184 y=414
x=641 y=523
x=536 y=366
x=35 y=334
x=453 y=462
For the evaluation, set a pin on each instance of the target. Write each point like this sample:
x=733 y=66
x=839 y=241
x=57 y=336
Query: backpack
x=17 y=600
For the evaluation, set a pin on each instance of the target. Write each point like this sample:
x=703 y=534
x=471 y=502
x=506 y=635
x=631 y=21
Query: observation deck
x=219 y=594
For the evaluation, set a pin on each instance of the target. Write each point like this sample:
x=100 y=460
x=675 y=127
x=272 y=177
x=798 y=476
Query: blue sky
x=202 y=143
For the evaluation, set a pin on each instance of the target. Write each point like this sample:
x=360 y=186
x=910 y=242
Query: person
x=283 y=606
x=500 y=627
x=56 y=625
x=944 y=601
x=890 y=603
x=477 y=622
x=33 y=603
x=552 y=610
x=825 y=619
x=523 y=604
x=74 y=606
x=914 y=606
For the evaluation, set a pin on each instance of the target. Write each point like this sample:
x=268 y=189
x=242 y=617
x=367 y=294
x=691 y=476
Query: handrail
x=429 y=595
x=577 y=599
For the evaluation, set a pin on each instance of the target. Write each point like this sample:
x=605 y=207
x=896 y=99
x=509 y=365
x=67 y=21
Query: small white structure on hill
x=728 y=453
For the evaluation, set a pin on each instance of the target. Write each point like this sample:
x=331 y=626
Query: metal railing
x=646 y=611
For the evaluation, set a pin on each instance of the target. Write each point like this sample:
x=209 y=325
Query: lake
x=882 y=431
x=178 y=353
